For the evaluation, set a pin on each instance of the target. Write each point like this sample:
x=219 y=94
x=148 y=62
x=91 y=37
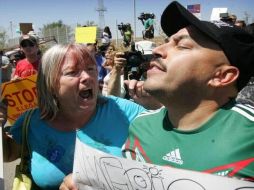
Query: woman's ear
x=224 y=76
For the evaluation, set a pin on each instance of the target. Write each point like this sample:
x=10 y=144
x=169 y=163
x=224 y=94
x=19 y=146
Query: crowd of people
x=196 y=95
x=232 y=19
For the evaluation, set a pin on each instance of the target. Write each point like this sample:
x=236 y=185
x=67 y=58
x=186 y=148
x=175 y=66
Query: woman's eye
x=70 y=73
x=91 y=69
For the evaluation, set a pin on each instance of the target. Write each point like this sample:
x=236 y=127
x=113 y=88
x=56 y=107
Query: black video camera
x=137 y=63
x=144 y=16
x=122 y=26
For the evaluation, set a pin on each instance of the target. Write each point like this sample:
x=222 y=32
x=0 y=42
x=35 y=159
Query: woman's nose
x=84 y=76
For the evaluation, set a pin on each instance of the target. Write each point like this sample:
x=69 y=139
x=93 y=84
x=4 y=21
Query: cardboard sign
x=25 y=27
x=96 y=170
x=21 y=96
x=215 y=16
x=85 y=34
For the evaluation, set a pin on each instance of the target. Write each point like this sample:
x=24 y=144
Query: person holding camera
x=148 y=22
x=113 y=82
x=132 y=65
x=127 y=33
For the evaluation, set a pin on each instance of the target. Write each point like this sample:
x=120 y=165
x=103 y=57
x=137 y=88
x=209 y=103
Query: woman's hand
x=68 y=183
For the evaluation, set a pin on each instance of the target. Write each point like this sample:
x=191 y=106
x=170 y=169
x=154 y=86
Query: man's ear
x=224 y=76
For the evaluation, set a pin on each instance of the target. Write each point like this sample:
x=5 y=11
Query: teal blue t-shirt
x=53 y=150
x=148 y=23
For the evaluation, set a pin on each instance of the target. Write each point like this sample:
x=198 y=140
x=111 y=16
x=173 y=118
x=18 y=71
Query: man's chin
x=150 y=85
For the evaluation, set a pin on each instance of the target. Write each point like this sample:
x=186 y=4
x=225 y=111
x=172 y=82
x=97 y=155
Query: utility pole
x=116 y=34
x=134 y=9
x=11 y=29
x=246 y=17
x=101 y=9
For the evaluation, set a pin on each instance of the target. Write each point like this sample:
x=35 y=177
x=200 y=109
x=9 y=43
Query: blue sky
x=79 y=11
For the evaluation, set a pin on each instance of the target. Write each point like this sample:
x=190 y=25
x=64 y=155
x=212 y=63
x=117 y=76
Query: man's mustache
x=157 y=58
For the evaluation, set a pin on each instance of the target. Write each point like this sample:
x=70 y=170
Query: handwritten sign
x=21 y=96
x=97 y=170
x=85 y=34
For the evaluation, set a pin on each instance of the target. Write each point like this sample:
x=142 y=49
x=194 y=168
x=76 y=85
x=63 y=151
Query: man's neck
x=32 y=59
x=189 y=118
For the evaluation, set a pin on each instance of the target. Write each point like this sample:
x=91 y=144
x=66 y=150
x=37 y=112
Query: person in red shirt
x=29 y=65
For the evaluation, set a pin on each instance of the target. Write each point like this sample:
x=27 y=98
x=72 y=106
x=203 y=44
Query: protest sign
x=98 y=170
x=25 y=27
x=21 y=96
x=85 y=34
x=215 y=16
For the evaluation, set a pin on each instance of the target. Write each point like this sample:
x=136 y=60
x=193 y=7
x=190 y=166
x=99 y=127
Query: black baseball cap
x=27 y=37
x=237 y=44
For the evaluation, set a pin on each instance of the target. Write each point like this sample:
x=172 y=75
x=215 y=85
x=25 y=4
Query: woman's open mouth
x=86 y=94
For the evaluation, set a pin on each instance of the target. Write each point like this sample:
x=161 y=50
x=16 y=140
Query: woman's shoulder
x=31 y=111
x=124 y=104
x=117 y=99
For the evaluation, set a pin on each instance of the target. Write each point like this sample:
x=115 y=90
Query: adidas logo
x=173 y=156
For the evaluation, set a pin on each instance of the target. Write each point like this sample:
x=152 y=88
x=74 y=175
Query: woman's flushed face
x=78 y=85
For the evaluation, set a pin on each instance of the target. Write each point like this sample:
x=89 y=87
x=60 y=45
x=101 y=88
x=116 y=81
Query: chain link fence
x=62 y=35
x=65 y=34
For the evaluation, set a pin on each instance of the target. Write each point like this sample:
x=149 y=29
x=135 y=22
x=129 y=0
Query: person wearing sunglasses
x=29 y=65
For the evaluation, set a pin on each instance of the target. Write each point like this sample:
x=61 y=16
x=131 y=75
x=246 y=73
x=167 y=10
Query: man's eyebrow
x=180 y=37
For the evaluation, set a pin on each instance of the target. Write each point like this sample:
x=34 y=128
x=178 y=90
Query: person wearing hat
x=147 y=20
x=196 y=76
x=29 y=65
x=116 y=82
x=127 y=34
